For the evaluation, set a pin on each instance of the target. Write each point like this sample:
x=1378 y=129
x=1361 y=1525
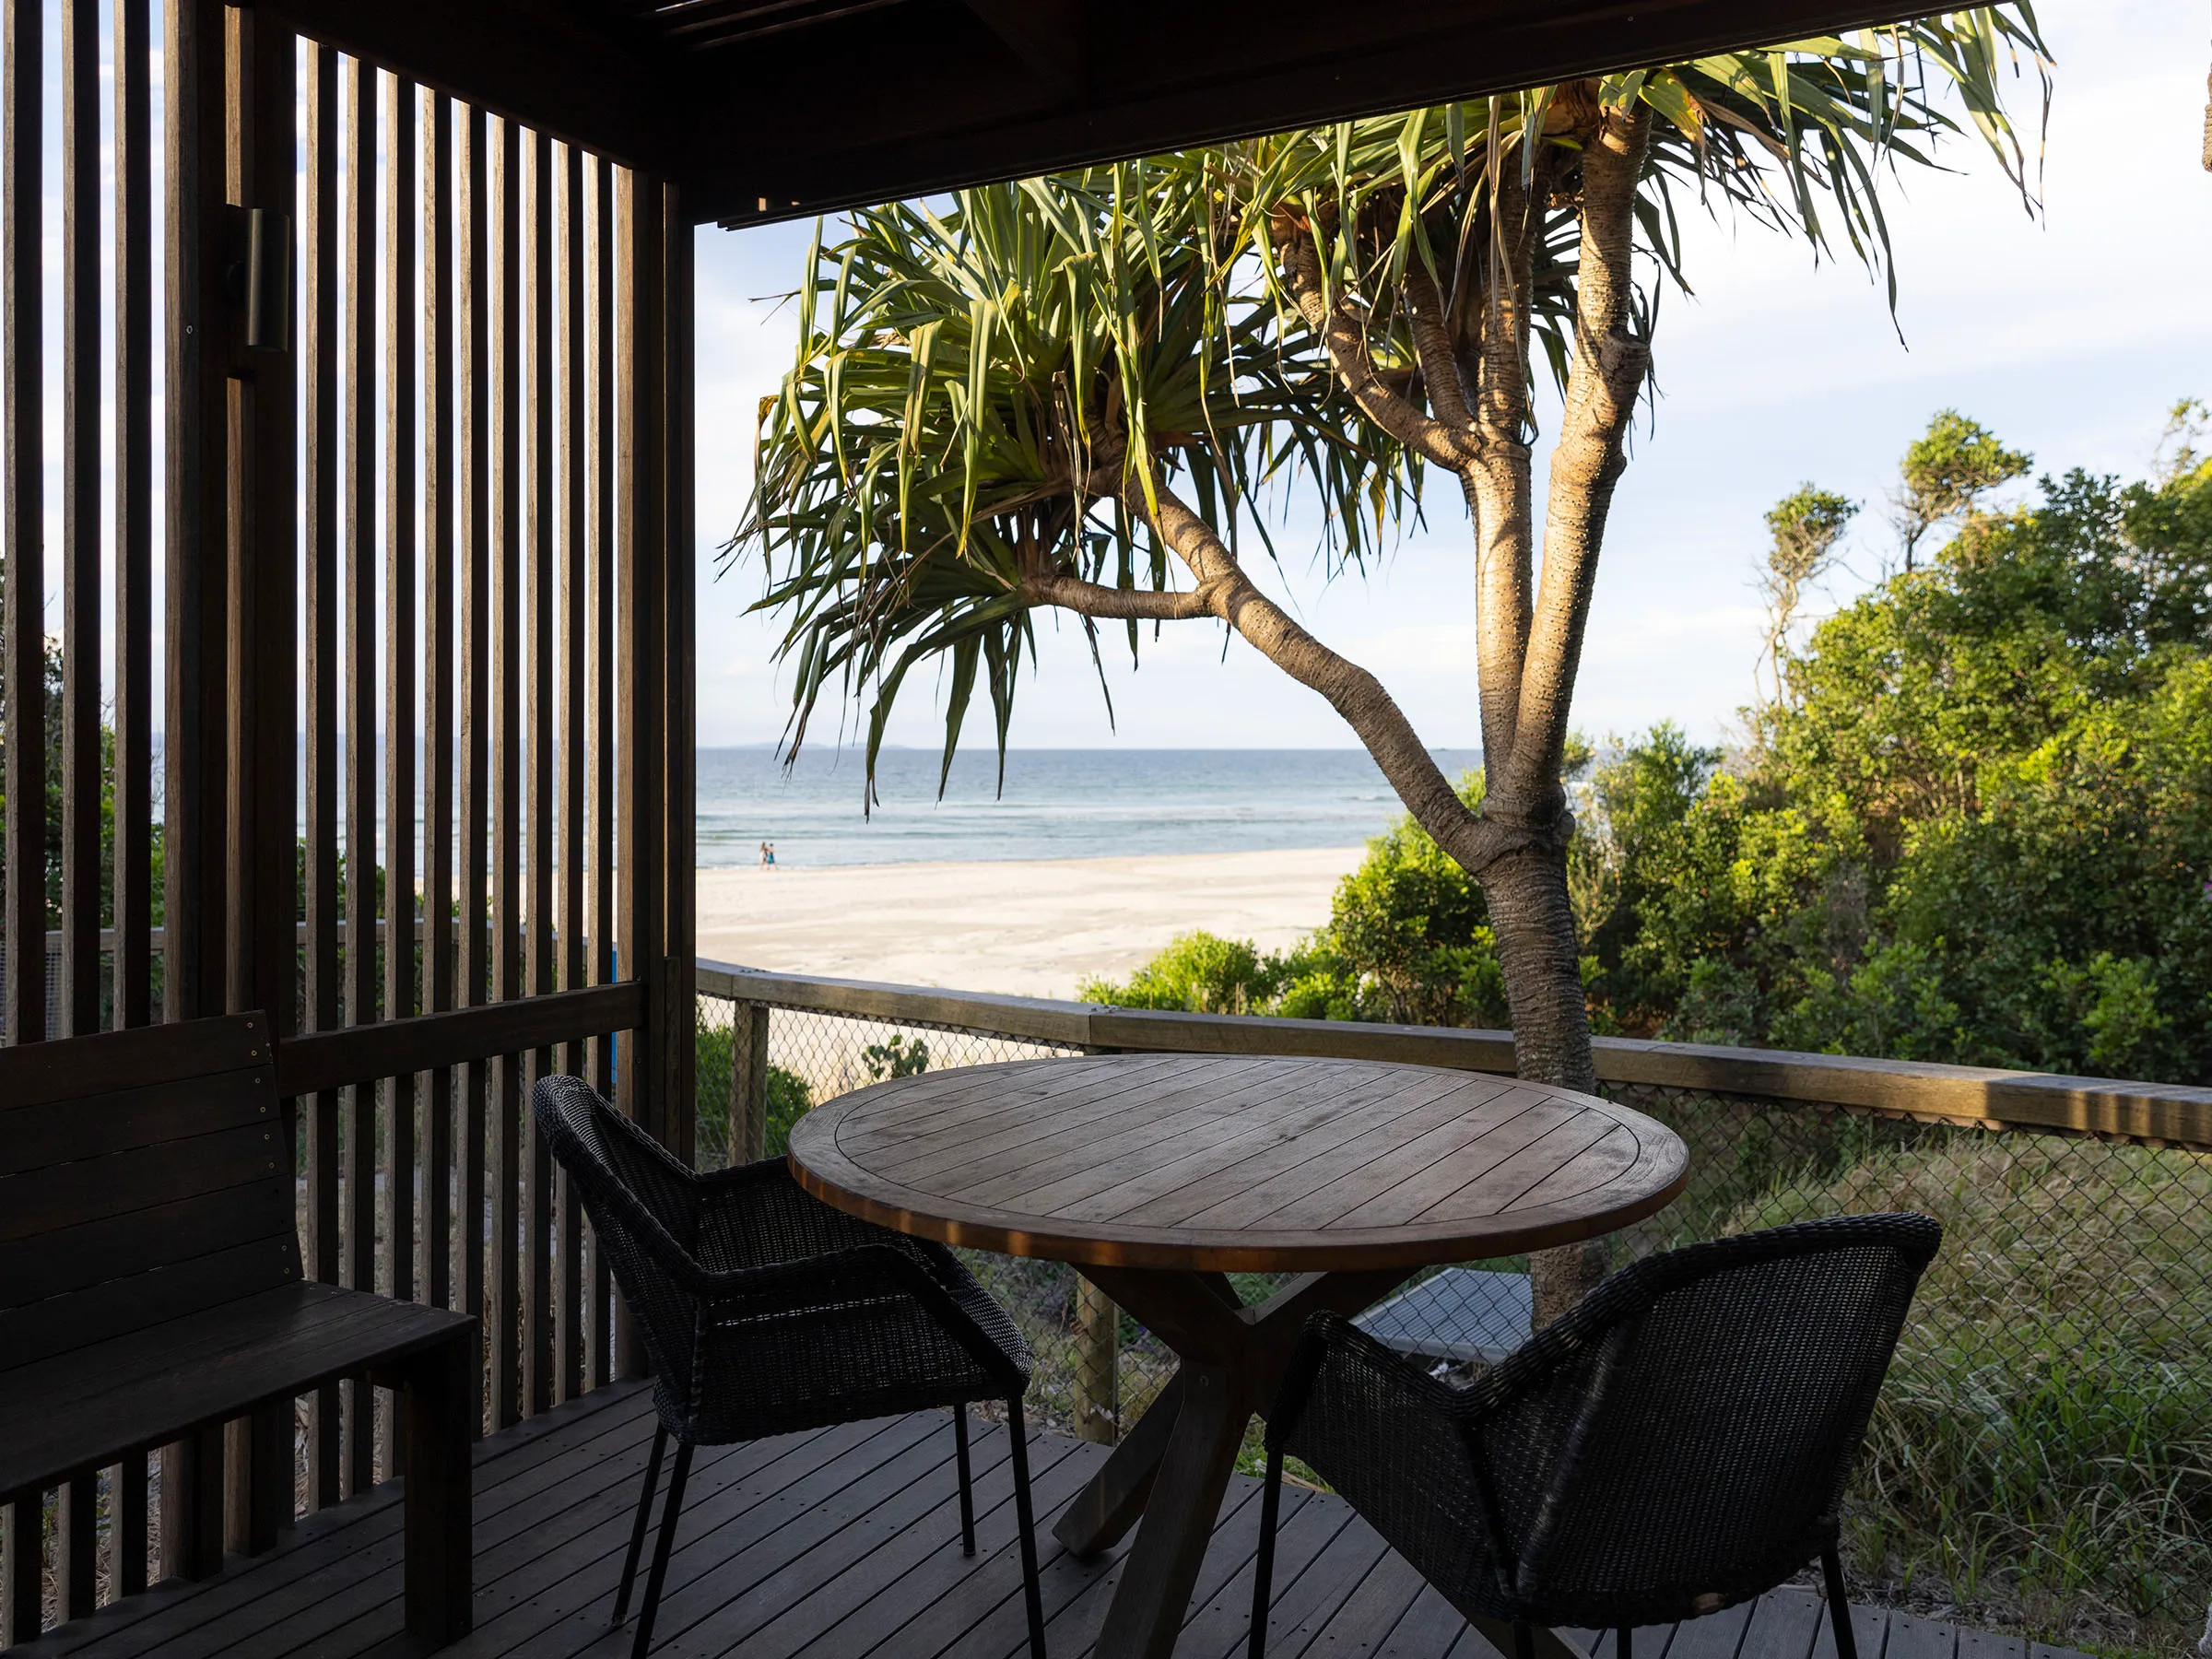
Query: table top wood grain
x=1236 y=1163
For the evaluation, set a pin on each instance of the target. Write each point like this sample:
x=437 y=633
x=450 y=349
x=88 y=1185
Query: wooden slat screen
x=404 y=640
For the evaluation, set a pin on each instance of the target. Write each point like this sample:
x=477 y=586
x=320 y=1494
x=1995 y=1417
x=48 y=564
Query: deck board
x=844 y=1544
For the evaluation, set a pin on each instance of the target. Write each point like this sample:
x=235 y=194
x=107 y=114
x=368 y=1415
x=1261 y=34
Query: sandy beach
x=1029 y=929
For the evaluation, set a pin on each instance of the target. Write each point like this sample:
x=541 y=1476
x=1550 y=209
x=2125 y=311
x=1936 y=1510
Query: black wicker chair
x=1675 y=1445
x=765 y=1311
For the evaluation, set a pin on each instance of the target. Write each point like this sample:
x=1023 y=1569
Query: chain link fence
x=2041 y=1457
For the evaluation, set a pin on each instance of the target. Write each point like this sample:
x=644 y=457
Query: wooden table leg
x=1149 y=1603
x=1175 y=1462
x=1109 y=1505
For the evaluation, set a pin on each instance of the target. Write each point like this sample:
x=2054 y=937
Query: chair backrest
x=1683 y=1439
x=643 y=1206
x=144 y=1175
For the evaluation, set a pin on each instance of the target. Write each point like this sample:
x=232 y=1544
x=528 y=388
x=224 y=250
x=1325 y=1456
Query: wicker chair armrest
x=1328 y=1336
x=871 y=1270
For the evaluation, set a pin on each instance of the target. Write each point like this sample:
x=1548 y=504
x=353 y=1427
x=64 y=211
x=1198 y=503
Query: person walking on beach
x=768 y=855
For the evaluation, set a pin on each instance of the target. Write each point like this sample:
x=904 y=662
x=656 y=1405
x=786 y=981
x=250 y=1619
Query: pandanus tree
x=1095 y=392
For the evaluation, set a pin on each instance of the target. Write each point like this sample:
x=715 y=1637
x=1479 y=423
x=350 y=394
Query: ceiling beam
x=763 y=141
x=578 y=75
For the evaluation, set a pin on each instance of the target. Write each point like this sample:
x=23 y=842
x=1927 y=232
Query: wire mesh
x=2042 y=1453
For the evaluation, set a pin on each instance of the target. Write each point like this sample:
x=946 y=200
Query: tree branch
x=1344 y=337
x=1608 y=375
x=1471 y=839
x=1110 y=604
x=1432 y=346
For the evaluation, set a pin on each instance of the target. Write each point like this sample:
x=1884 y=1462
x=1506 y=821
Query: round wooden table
x=1157 y=1174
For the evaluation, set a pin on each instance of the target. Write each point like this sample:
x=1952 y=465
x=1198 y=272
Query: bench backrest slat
x=144 y=1175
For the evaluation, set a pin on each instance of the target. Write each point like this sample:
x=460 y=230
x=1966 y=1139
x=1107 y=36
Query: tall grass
x=2041 y=1455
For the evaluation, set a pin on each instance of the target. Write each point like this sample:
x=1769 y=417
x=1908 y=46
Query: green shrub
x=788 y=1099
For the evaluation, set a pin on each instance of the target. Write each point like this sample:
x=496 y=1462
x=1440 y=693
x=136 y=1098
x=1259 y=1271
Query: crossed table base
x=1172 y=1466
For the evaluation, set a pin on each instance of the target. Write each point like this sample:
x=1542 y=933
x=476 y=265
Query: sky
x=2070 y=333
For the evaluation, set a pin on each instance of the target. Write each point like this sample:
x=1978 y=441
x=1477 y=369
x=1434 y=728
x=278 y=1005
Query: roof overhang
x=771 y=108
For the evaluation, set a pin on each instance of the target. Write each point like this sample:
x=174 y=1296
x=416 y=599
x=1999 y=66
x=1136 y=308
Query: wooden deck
x=844 y=1544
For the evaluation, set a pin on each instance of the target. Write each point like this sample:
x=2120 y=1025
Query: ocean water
x=1055 y=804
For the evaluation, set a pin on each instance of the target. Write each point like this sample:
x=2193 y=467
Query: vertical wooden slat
x=319 y=321
x=195 y=411
x=264 y=631
x=400 y=316
x=641 y=543
x=678 y=661
x=133 y=539
x=505 y=1155
x=570 y=1289
x=265 y=587
x=23 y=538
x=438 y=669
x=81 y=781
x=475 y=529
x=538 y=764
x=360 y=233
x=600 y=714
x=195 y=417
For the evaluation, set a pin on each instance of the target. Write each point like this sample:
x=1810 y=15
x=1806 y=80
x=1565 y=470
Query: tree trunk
x=1534 y=921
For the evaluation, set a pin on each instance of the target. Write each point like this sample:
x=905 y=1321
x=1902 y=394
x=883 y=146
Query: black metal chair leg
x=1262 y=1577
x=1524 y=1641
x=637 y=1531
x=1839 y=1605
x=1026 y=1520
x=959 y=1447
x=1622 y=1644
x=659 y=1574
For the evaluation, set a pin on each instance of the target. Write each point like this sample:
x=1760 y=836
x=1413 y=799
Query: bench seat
x=78 y=1412
x=151 y=1296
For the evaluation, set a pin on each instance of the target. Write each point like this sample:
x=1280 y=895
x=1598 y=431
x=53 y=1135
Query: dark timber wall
x=418 y=678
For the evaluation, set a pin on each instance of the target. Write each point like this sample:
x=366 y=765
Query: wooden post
x=358 y=243
x=473 y=527
x=599 y=713
x=1098 y=1365
x=318 y=321
x=196 y=416
x=536 y=271
x=639 y=581
x=260 y=496
x=437 y=948
x=265 y=955
x=749 y=1082
x=678 y=662
x=196 y=412
x=504 y=1154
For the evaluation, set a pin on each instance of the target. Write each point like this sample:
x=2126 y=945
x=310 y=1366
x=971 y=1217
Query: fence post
x=749 y=1081
x=1097 y=1353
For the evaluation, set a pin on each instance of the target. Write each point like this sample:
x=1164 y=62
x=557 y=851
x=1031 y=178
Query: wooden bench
x=152 y=1293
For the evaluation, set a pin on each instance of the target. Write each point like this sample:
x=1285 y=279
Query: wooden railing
x=2154 y=1114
